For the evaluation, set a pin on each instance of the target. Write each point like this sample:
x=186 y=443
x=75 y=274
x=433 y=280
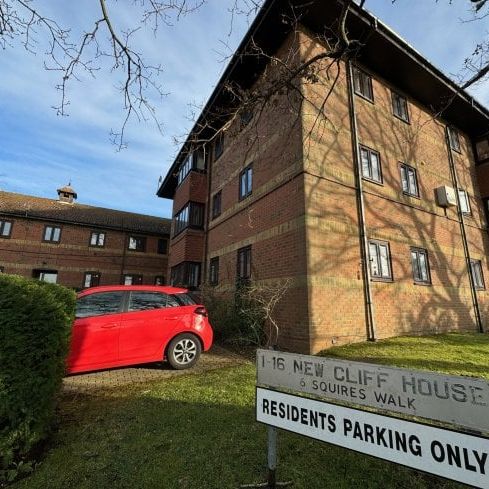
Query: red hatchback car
x=125 y=325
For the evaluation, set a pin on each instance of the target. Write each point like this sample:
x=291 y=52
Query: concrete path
x=216 y=358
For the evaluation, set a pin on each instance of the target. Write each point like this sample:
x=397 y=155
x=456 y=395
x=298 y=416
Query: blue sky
x=40 y=151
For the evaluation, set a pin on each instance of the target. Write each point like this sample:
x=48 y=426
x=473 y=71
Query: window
x=2 y=269
x=218 y=146
x=245 y=117
x=192 y=215
x=144 y=301
x=49 y=276
x=184 y=170
x=380 y=267
x=482 y=150
x=363 y=84
x=131 y=279
x=162 y=246
x=5 y=229
x=99 y=304
x=186 y=299
x=52 y=233
x=454 y=139
x=464 y=201
x=195 y=160
x=476 y=271
x=409 y=180
x=186 y=274
x=246 y=182
x=91 y=279
x=421 y=271
x=216 y=205
x=244 y=264
x=97 y=239
x=136 y=243
x=370 y=161
x=159 y=280
x=400 y=107
x=214 y=271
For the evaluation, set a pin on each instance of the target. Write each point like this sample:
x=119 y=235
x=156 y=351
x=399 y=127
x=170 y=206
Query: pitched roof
x=28 y=206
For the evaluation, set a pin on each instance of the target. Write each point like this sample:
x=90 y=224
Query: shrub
x=248 y=317
x=233 y=318
x=35 y=326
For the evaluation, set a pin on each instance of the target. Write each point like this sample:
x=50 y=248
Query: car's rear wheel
x=183 y=351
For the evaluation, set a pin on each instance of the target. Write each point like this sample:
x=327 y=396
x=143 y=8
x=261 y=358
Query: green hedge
x=35 y=326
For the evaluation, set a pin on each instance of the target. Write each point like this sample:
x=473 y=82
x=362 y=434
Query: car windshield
x=185 y=299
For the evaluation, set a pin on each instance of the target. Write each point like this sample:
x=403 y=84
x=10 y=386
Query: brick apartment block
x=79 y=245
x=341 y=201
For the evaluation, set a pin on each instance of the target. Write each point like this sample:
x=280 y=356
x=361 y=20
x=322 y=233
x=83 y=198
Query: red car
x=125 y=325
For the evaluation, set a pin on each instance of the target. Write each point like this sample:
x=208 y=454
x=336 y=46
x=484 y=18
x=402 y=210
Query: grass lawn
x=198 y=431
x=455 y=353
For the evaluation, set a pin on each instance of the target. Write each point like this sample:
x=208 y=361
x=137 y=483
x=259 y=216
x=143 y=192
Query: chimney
x=67 y=194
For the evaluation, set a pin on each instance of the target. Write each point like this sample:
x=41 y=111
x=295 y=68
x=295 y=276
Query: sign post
x=357 y=388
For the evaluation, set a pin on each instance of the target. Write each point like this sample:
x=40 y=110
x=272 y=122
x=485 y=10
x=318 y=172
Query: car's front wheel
x=183 y=351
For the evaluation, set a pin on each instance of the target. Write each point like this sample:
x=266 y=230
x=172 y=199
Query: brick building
x=79 y=245
x=371 y=200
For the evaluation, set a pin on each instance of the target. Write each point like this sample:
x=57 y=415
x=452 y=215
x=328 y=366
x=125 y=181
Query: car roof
x=147 y=288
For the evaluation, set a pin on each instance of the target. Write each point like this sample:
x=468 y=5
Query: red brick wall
x=193 y=188
x=302 y=218
x=400 y=306
x=187 y=246
x=25 y=251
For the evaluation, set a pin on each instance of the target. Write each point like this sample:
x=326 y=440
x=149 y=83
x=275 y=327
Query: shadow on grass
x=163 y=437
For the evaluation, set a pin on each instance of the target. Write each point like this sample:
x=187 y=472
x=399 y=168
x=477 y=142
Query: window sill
x=425 y=284
x=367 y=179
x=412 y=196
x=244 y=197
x=364 y=97
x=380 y=279
x=406 y=121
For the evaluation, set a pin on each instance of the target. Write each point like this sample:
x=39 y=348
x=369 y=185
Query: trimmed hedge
x=35 y=327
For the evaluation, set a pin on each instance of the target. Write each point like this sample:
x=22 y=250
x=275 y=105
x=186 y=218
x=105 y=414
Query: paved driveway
x=217 y=357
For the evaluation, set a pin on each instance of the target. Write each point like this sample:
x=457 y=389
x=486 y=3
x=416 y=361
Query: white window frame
x=369 y=171
x=464 y=202
x=380 y=263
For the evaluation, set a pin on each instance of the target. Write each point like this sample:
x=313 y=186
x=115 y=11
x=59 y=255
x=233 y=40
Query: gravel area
x=217 y=357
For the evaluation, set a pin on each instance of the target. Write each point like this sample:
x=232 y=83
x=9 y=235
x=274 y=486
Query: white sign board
x=450 y=454
x=458 y=400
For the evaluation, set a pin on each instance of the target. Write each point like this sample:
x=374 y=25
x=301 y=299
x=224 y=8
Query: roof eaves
x=237 y=56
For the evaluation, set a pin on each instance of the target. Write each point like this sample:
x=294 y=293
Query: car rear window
x=185 y=299
x=144 y=301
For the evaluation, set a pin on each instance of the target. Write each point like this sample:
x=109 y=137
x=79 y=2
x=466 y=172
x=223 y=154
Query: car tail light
x=202 y=311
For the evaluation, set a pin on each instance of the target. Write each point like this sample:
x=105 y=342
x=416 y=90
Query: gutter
x=473 y=291
x=367 y=287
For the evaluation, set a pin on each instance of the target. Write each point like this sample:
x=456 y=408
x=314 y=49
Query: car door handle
x=110 y=325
